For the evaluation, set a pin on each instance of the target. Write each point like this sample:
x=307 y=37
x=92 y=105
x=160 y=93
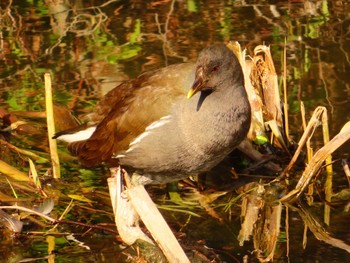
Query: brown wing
x=127 y=110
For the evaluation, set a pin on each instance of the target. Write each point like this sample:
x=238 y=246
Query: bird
x=170 y=123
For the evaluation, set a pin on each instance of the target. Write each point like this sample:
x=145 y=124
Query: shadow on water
x=89 y=47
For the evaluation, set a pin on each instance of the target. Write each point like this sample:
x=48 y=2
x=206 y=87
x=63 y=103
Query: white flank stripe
x=78 y=136
x=147 y=132
x=139 y=138
x=159 y=123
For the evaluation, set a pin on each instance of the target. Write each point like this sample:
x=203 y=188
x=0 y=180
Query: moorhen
x=171 y=123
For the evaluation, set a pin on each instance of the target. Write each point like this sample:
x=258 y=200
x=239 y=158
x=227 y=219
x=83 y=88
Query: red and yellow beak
x=198 y=83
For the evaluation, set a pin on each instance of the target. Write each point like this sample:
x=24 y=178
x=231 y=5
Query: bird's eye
x=215 y=69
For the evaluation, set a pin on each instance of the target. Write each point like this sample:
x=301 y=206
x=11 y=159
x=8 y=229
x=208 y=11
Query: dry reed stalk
x=257 y=127
x=12 y=172
x=265 y=81
x=303 y=118
x=138 y=204
x=156 y=224
x=309 y=194
x=51 y=127
x=314 y=121
x=329 y=170
x=126 y=219
x=51 y=244
x=34 y=174
x=287 y=231
x=285 y=93
x=23 y=151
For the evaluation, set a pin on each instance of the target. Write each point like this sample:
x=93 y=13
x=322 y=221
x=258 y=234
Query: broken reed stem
x=303 y=118
x=316 y=162
x=12 y=188
x=139 y=205
x=35 y=178
x=156 y=224
x=329 y=170
x=285 y=99
x=305 y=236
x=308 y=131
x=125 y=217
x=51 y=127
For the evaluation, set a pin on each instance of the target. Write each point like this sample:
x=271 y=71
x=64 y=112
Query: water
x=91 y=46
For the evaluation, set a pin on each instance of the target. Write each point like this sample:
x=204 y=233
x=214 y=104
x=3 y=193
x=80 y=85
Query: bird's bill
x=198 y=83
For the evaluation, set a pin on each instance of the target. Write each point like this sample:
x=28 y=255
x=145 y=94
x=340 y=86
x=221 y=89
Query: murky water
x=91 y=46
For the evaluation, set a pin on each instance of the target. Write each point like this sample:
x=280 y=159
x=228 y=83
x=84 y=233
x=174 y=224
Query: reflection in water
x=262 y=220
x=91 y=46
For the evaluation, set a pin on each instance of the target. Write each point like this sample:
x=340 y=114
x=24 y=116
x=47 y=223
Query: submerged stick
x=51 y=127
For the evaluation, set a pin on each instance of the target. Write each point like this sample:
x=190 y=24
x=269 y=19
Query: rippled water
x=91 y=46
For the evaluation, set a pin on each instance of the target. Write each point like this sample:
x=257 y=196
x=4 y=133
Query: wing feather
x=126 y=111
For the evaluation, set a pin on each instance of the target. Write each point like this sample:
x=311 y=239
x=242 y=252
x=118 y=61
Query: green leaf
x=192 y=6
x=261 y=140
x=134 y=37
x=80 y=198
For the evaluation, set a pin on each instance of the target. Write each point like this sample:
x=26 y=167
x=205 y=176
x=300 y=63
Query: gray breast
x=189 y=141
